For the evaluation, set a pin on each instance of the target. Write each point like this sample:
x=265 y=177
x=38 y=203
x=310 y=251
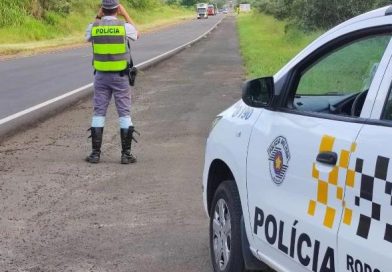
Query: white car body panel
x=242 y=127
x=384 y=89
x=369 y=247
x=235 y=127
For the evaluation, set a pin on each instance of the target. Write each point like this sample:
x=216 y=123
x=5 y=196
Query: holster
x=132 y=73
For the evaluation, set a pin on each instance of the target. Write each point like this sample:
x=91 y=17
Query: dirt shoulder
x=59 y=213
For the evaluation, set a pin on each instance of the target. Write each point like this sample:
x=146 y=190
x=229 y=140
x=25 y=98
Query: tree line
x=316 y=14
x=192 y=3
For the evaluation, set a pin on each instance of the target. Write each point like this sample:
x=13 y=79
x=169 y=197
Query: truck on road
x=202 y=11
x=211 y=10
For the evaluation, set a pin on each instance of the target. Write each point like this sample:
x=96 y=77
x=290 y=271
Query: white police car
x=297 y=174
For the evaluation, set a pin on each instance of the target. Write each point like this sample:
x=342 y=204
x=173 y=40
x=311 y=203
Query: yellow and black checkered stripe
x=366 y=189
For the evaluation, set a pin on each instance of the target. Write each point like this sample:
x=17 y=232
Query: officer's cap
x=110 y=4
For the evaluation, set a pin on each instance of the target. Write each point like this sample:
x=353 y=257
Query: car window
x=338 y=82
x=387 y=115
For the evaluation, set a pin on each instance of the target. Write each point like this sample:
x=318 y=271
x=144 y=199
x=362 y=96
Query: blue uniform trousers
x=107 y=85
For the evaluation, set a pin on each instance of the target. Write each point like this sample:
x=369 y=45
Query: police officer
x=110 y=41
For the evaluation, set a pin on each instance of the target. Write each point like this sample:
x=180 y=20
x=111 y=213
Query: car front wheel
x=225 y=229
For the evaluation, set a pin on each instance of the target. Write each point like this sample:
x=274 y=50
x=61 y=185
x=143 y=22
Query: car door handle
x=330 y=158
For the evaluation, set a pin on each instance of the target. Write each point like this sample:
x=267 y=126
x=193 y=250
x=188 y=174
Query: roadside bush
x=52 y=18
x=315 y=14
x=14 y=12
x=144 y=4
x=38 y=8
x=281 y=9
x=189 y=3
x=63 y=6
x=11 y=13
x=38 y=20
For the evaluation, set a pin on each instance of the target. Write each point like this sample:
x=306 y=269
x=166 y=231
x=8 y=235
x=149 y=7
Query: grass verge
x=57 y=31
x=267 y=44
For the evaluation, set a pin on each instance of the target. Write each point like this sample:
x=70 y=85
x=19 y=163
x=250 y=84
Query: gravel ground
x=59 y=213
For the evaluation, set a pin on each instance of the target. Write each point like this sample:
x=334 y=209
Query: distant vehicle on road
x=224 y=11
x=211 y=10
x=202 y=11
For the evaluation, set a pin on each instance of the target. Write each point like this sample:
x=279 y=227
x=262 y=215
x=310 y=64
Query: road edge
x=28 y=118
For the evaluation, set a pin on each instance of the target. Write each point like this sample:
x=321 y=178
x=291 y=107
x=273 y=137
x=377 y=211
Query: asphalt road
x=58 y=213
x=28 y=81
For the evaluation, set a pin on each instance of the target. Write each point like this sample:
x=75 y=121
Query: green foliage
x=28 y=21
x=192 y=3
x=220 y=3
x=12 y=13
x=281 y=9
x=313 y=14
x=63 y=6
x=144 y=4
x=52 y=18
x=172 y=2
x=189 y=2
x=267 y=43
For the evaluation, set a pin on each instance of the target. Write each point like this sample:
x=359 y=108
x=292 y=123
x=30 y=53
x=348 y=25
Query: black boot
x=127 y=136
x=96 y=139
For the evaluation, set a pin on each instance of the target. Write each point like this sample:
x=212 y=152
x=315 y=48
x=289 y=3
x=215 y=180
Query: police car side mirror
x=258 y=93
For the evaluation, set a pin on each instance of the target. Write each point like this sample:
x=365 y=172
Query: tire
x=225 y=229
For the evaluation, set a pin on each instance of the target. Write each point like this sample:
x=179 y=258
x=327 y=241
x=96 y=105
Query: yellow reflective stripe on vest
x=108 y=31
x=110 y=66
x=111 y=49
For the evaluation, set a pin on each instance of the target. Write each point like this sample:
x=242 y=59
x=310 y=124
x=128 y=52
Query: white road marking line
x=51 y=101
x=44 y=104
x=182 y=46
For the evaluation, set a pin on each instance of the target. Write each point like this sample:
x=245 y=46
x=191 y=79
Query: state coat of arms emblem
x=279 y=157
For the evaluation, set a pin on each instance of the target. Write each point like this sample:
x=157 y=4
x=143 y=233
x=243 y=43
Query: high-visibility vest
x=110 y=46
